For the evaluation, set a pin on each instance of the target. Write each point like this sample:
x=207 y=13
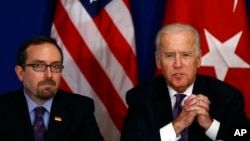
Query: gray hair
x=172 y=28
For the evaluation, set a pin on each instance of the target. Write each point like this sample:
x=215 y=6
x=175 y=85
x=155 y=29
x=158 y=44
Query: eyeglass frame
x=51 y=67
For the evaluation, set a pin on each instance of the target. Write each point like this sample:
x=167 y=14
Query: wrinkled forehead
x=181 y=40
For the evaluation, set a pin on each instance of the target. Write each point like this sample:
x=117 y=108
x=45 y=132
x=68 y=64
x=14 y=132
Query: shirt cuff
x=167 y=133
x=213 y=130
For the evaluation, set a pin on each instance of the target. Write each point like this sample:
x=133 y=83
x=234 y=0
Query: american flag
x=97 y=39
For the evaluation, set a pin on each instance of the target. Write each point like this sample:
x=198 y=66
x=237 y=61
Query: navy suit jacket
x=77 y=119
x=150 y=109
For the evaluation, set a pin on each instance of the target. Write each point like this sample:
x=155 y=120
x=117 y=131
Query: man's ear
x=199 y=59
x=157 y=60
x=19 y=72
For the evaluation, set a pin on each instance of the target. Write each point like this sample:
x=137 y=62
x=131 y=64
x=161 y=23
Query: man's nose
x=177 y=61
x=48 y=72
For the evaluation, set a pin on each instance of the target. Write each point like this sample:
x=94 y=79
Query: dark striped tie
x=176 y=110
x=39 y=127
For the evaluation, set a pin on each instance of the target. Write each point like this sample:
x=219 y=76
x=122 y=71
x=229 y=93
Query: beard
x=46 y=89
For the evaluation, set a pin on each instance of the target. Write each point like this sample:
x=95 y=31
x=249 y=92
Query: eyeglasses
x=42 y=67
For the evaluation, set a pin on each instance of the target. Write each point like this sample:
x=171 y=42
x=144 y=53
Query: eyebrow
x=40 y=61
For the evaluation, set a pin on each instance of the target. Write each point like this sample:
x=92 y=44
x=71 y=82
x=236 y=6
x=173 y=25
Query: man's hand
x=187 y=115
x=195 y=107
x=203 y=117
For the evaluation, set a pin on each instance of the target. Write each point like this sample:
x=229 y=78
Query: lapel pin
x=58 y=118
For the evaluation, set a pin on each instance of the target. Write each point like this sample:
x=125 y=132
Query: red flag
x=224 y=38
x=99 y=51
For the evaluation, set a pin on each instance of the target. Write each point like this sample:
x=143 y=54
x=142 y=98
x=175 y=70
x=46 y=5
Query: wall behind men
x=20 y=20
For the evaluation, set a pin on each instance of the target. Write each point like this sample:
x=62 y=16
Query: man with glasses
x=39 y=111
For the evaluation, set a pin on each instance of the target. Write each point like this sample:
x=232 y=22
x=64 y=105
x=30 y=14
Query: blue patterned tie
x=39 y=128
x=176 y=110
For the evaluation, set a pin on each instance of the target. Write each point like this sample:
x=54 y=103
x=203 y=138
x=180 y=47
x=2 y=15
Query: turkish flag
x=224 y=38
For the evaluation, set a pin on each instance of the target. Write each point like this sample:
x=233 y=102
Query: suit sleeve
x=90 y=130
x=235 y=117
x=137 y=125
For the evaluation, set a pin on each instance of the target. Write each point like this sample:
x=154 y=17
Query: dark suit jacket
x=76 y=111
x=150 y=109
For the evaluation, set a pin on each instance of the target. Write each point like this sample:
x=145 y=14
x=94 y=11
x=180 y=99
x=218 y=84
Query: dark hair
x=21 y=54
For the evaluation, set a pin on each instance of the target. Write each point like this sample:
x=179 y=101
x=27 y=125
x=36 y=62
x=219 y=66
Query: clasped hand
x=196 y=107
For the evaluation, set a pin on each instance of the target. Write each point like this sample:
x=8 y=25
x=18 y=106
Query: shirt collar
x=188 y=91
x=31 y=104
x=172 y=92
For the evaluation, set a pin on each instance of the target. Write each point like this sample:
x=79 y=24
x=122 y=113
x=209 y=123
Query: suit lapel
x=163 y=106
x=60 y=117
x=19 y=115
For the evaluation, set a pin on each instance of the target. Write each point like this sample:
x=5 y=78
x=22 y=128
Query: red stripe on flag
x=126 y=2
x=65 y=86
x=119 y=46
x=83 y=57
